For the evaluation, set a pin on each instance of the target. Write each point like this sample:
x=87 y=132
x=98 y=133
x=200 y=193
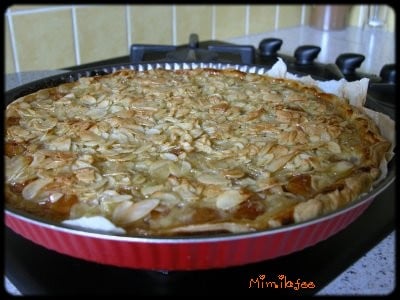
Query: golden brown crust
x=166 y=152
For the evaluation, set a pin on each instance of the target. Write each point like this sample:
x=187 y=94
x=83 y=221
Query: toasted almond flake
x=122 y=157
x=96 y=113
x=334 y=147
x=128 y=212
x=342 y=167
x=109 y=199
x=80 y=164
x=150 y=189
x=185 y=126
x=88 y=100
x=154 y=166
x=170 y=199
x=180 y=168
x=207 y=178
x=314 y=138
x=32 y=189
x=85 y=174
x=187 y=147
x=210 y=130
x=54 y=197
x=160 y=169
x=144 y=108
x=104 y=104
x=151 y=131
x=43 y=124
x=144 y=148
x=169 y=156
x=233 y=173
x=196 y=132
x=61 y=144
x=229 y=199
x=265 y=159
x=14 y=166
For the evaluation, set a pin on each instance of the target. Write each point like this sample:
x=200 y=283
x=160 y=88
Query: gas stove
x=35 y=270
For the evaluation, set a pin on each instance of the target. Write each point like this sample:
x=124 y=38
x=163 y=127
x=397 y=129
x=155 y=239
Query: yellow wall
x=40 y=37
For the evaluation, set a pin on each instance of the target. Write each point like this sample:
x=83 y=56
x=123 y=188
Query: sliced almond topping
x=229 y=199
x=32 y=189
x=128 y=212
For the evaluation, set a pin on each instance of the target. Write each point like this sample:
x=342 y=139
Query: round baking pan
x=181 y=252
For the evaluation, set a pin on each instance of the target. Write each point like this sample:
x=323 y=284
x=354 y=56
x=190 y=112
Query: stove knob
x=349 y=62
x=193 y=41
x=388 y=73
x=306 y=54
x=270 y=46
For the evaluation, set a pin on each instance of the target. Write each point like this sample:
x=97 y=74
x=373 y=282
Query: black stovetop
x=35 y=270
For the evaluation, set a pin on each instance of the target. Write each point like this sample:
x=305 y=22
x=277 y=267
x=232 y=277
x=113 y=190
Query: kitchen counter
x=374 y=273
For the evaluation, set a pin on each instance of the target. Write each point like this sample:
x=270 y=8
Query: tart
x=186 y=152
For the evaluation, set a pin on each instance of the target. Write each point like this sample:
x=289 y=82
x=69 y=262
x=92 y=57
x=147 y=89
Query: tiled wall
x=39 y=37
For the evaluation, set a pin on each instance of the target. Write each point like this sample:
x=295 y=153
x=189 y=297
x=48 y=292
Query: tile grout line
x=303 y=15
x=174 y=37
x=362 y=15
x=276 y=25
x=128 y=26
x=247 y=20
x=13 y=42
x=213 y=21
x=39 y=10
x=76 y=36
